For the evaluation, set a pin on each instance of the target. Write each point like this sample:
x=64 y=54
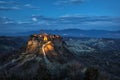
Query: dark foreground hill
x=49 y=57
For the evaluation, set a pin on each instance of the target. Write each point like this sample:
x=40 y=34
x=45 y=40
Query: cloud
x=34 y=19
x=8 y=21
x=2 y=8
x=89 y=18
x=43 y=18
x=32 y=7
x=5 y=20
x=8 y=2
x=9 y=5
x=23 y=22
x=80 y=22
x=66 y=2
x=64 y=22
x=70 y=19
x=13 y=5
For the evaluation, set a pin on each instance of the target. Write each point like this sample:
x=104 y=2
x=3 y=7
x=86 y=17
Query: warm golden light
x=31 y=46
x=41 y=40
x=49 y=48
x=45 y=38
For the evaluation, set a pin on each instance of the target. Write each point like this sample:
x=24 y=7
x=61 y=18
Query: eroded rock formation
x=46 y=57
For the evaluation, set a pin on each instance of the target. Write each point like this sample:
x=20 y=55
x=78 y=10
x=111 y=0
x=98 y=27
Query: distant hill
x=80 y=33
x=75 y=33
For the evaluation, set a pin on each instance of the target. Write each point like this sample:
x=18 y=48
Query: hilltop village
x=36 y=41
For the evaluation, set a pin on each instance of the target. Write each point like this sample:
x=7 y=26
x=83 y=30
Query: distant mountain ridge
x=82 y=33
x=77 y=33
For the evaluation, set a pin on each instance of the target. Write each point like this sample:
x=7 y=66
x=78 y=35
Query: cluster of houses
x=44 y=37
x=36 y=41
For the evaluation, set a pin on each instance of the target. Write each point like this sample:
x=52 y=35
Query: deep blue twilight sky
x=27 y=15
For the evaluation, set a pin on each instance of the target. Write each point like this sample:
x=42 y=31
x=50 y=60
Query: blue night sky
x=31 y=15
